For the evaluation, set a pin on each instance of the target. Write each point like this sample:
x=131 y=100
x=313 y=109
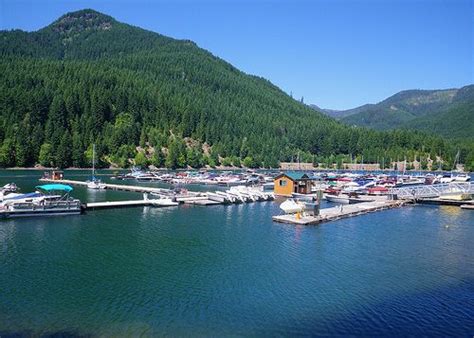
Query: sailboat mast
x=93 y=160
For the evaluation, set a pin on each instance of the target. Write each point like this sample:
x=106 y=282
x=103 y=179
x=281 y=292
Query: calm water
x=225 y=270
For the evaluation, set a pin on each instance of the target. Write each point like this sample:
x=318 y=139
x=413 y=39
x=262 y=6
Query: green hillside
x=455 y=120
x=445 y=112
x=87 y=78
x=400 y=108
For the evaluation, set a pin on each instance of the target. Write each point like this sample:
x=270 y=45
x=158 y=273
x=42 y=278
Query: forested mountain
x=454 y=120
x=445 y=112
x=87 y=78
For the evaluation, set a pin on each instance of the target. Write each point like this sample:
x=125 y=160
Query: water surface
x=225 y=270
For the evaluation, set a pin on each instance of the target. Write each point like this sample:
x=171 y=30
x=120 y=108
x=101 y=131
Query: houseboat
x=48 y=200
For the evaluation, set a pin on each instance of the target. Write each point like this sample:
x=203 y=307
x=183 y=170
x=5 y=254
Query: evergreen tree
x=45 y=155
x=63 y=155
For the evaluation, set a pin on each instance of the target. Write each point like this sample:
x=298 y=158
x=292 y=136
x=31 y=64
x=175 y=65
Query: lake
x=229 y=270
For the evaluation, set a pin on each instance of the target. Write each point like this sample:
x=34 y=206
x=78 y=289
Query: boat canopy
x=55 y=187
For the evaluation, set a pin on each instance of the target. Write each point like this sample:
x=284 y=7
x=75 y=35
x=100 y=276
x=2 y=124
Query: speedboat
x=8 y=190
x=461 y=178
x=446 y=178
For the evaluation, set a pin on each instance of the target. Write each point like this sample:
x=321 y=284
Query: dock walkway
x=131 y=188
x=124 y=204
x=189 y=197
x=339 y=212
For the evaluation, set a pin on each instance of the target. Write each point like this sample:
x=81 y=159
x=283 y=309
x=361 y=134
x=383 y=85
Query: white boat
x=9 y=187
x=95 y=183
x=344 y=199
x=291 y=206
x=231 y=198
x=461 y=178
x=164 y=202
x=218 y=198
x=445 y=178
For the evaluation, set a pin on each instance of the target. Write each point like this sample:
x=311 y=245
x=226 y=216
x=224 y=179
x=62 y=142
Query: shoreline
x=232 y=168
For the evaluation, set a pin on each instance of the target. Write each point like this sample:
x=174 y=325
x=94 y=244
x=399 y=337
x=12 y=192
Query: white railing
x=432 y=191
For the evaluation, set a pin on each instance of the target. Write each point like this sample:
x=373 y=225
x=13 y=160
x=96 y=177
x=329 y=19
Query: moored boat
x=291 y=206
x=344 y=199
x=94 y=182
x=48 y=200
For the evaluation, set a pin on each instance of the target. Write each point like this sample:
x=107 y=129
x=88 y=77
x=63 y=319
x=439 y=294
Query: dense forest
x=446 y=112
x=148 y=99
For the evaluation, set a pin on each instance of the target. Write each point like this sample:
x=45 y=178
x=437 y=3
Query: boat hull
x=343 y=200
x=38 y=213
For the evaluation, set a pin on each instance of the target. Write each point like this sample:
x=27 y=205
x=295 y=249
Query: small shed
x=54 y=175
x=288 y=183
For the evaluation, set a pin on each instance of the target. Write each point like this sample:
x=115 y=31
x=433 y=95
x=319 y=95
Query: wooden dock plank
x=123 y=204
x=338 y=212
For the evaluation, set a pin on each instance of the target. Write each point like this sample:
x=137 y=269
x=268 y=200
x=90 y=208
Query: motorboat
x=378 y=190
x=447 y=178
x=292 y=206
x=344 y=199
x=461 y=178
x=8 y=190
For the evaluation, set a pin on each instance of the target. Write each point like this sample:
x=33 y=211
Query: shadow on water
x=437 y=312
x=57 y=334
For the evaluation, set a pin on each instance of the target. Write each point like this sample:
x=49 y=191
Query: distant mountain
x=454 y=120
x=427 y=110
x=337 y=114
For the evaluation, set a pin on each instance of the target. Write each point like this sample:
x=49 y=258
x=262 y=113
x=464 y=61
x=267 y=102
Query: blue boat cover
x=55 y=187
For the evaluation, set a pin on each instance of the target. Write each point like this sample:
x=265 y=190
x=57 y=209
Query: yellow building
x=288 y=183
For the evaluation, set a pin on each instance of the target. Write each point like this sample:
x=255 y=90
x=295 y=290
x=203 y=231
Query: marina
x=353 y=195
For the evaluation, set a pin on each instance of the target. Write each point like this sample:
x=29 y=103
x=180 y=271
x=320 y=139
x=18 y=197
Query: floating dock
x=189 y=197
x=123 y=187
x=124 y=204
x=445 y=201
x=339 y=212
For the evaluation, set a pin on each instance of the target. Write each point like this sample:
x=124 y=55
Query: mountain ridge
x=412 y=109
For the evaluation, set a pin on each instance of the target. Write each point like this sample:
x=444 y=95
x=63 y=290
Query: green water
x=229 y=270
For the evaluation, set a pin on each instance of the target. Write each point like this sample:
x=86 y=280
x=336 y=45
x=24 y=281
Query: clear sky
x=336 y=54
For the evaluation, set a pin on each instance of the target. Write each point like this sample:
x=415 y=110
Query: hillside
x=454 y=120
x=444 y=112
x=88 y=78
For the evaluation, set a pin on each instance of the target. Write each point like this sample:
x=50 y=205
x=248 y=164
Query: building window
x=283 y=183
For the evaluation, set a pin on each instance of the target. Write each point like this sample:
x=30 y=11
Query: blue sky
x=336 y=54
